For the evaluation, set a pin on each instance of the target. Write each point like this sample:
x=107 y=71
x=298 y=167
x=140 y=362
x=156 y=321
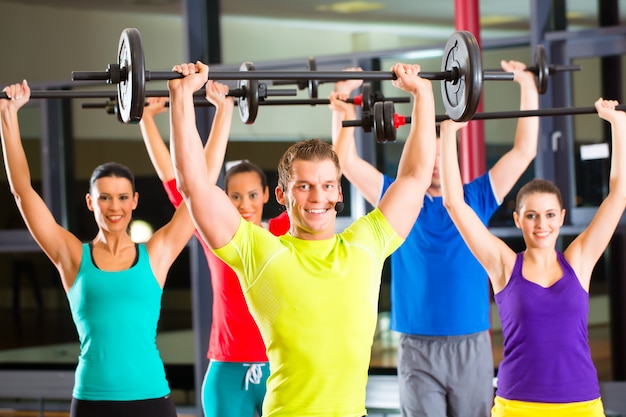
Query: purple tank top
x=546 y=355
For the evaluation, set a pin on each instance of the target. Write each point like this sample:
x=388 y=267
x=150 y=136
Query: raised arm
x=215 y=147
x=493 y=254
x=157 y=149
x=586 y=249
x=510 y=167
x=214 y=215
x=62 y=247
x=365 y=177
x=403 y=201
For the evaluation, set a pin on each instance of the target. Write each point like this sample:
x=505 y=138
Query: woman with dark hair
x=113 y=285
x=234 y=383
x=542 y=293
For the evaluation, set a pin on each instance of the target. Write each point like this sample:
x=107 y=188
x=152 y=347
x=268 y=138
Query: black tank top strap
x=93 y=261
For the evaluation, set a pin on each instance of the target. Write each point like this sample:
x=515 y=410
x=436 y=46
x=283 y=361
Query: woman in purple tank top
x=541 y=293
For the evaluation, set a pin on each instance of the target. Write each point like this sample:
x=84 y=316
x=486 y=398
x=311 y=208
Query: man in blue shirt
x=439 y=292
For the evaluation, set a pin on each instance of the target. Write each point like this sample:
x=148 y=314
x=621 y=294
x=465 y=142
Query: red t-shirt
x=235 y=336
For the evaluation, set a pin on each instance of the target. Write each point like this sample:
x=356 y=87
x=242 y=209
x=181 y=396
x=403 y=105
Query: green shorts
x=234 y=389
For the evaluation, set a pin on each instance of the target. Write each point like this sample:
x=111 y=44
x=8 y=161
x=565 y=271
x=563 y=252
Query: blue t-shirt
x=116 y=316
x=438 y=288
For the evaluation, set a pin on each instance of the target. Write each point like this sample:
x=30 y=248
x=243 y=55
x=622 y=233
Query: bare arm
x=365 y=177
x=215 y=148
x=493 y=254
x=169 y=241
x=214 y=215
x=403 y=201
x=157 y=149
x=62 y=247
x=510 y=167
x=584 y=252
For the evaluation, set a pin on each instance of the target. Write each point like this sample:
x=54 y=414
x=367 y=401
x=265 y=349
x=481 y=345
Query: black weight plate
x=542 y=69
x=313 y=84
x=462 y=95
x=248 y=104
x=389 y=112
x=379 y=122
x=132 y=86
x=366 y=97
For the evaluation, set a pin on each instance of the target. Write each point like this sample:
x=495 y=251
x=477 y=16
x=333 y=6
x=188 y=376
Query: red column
x=472 y=138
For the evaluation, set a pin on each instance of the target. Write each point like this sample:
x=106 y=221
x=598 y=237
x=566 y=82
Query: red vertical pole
x=472 y=138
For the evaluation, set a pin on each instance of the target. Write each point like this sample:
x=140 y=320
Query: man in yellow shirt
x=313 y=293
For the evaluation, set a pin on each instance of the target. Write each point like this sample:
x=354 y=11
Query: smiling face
x=310 y=196
x=112 y=201
x=248 y=195
x=540 y=216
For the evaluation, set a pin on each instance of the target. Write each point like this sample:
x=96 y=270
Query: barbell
x=540 y=68
x=248 y=94
x=365 y=99
x=461 y=75
x=384 y=121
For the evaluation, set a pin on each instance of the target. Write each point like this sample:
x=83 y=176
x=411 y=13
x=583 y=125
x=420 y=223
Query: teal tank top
x=116 y=316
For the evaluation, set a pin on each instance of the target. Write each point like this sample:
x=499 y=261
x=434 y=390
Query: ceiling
x=500 y=15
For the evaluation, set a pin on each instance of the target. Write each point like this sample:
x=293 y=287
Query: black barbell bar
x=299 y=75
x=451 y=75
x=358 y=100
x=49 y=94
x=73 y=94
x=384 y=121
x=543 y=70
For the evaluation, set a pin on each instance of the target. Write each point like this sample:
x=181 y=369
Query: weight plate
x=462 y=57
x=248 y=103
x=313 y=84
x=390 y=128
x=366 y=97
x=132 y=86
x=542 y=69
x=379 y=122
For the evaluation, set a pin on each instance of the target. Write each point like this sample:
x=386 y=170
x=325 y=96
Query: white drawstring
x=254 y=373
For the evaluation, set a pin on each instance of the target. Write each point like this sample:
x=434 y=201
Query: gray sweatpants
x=445 y=376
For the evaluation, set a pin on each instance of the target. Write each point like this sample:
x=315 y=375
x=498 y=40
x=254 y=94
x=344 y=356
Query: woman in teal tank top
x=113 y=285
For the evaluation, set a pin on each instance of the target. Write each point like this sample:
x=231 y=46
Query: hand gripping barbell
x=540 y=68
x=462 y=76
x=543 y=70
x=384 y=121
